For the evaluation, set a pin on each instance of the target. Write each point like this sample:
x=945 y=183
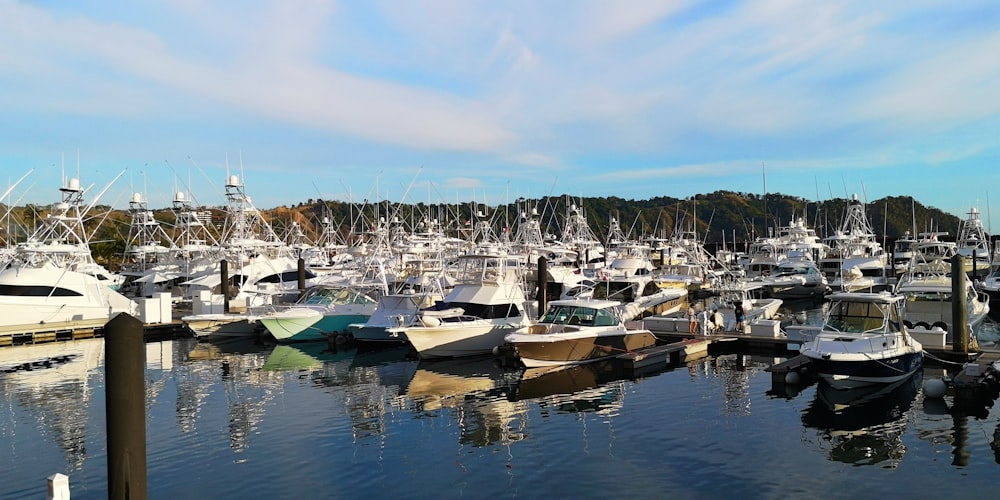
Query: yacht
x=52 y=281
x=974 y=245
x=578 y=331
x=863 y=341
x=486 y=303
x=392 y=311
x=796 y=279
x=855 y=260
x=928 y=289
x=324 y=310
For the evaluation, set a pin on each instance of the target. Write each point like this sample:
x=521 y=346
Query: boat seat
x=574 y=320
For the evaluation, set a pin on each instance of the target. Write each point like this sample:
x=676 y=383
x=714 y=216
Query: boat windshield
x=860 y=317
x=325 y=295
x=574 y=315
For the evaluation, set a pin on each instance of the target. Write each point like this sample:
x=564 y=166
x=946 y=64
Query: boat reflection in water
x=476 y=391
x=597 y=386
x=863 y=426
x=51 y=383
x=55 y=384
x=307 y=356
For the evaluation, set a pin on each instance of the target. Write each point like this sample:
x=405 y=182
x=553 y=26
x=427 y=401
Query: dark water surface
x=240 y=420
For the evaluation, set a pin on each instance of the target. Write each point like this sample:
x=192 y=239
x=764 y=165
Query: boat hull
x=204 y=325
x=852 y=374
x=376 y=335
x=791 y=291
x=553 y=350
x=456 y=341
x=304 y=327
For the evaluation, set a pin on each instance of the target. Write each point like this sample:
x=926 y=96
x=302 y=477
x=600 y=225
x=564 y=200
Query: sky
x=487 y=101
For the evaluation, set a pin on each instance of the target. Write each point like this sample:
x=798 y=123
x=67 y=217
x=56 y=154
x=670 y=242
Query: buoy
x=935 y=388
x=792 y=378
x=496 y=350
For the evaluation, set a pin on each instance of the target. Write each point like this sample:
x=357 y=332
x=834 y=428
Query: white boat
x=927 y=286
x=392 y=311
x=863 y=341
x=324 y=310
x=221 y=324
x=796 y=279
x=575 y=332
x=974 y=245
x=991 y=285
x=726 y=296
x=53 y=282
x=855 y=260
x=486 y=303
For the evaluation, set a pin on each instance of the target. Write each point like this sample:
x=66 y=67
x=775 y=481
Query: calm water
x=259 y=421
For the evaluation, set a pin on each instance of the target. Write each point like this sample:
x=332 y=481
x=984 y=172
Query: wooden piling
x=125 y=407
x=959 y=306
x=224 y=272
x=301 y=275
x=543 y=285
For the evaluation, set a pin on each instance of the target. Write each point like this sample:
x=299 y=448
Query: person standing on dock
x=738 y=310
x=692 y=320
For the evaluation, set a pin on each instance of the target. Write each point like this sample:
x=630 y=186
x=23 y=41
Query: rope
x=879 y=361
x=935 y=358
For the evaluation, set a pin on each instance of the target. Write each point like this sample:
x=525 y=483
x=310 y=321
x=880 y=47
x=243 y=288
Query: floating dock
x=662 y=356
x=75 y=330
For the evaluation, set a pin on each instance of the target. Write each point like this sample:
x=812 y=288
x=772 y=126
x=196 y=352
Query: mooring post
x=543 y=285
x=58 y=486
x=125 y=407
x=959 y=306
x=224 y=273
x=301 y=275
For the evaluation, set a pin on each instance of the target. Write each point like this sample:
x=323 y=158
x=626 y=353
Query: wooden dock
x=664 y=356
x=76 y=330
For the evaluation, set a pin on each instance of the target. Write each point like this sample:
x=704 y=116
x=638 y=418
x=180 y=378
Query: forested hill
x=715 y=217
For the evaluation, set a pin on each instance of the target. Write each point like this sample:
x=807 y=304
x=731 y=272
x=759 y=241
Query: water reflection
x=592 y=387
x=49 y=382
x=475 y=391
x=373 y=388
x=863 y=426
x=238 y=364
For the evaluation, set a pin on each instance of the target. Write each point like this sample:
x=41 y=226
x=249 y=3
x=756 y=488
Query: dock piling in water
x=543 y=285
x=224 y=272
x=125 y=407
x=959 y=306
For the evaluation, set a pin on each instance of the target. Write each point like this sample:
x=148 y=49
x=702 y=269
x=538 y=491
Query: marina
x=416 y=330
x=240 y=417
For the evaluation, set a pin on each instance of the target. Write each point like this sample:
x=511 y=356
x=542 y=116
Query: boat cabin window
x=285 y=277
x=490 y=311
x=859 y=317
x=572 y=315
x=612 y=290
x=36 y=291
x=323 y=295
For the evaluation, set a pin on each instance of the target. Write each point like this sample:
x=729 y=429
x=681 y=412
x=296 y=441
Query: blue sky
x=459 y=100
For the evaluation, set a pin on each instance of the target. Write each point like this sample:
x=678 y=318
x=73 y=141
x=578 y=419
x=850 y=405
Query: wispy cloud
x=604 y=93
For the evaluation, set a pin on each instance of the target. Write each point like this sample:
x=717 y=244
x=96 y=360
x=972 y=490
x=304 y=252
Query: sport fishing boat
x=486 y=303
x=324 y=310
x=863 y=341
x=52 y=281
